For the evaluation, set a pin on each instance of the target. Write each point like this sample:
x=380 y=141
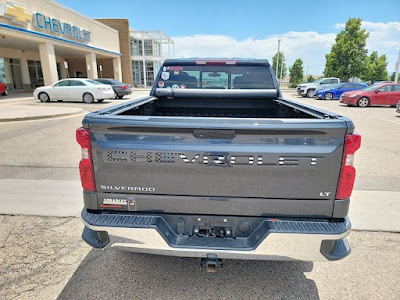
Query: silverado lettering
x=127 y=188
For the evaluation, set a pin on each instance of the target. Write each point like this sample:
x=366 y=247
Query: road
x=45 y=258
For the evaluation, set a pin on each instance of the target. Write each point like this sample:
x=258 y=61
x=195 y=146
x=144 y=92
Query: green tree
x=296 y=73
x=348 y=54
x=274 y=58
x=375 y=67
x=310 y=78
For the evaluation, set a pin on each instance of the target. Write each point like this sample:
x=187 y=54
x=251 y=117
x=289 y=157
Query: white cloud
x=311 y=46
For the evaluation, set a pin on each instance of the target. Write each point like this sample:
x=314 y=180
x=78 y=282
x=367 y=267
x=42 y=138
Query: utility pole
x=306 y=74
x=280 y=78
x=277 y=59
x=396 y=77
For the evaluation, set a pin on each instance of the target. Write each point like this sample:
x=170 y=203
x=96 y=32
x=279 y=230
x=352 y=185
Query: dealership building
x=42 y=41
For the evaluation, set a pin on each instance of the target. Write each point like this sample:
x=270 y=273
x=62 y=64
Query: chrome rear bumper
x=277 y=240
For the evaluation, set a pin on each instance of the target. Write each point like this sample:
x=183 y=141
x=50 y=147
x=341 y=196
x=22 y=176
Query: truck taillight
x=86 y=164
x=348 y=172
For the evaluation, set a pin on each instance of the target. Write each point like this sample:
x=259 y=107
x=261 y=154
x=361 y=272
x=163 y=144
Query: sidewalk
x=18 y=108
x=20 y=112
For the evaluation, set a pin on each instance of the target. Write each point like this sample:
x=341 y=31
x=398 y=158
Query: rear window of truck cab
x=215 y=77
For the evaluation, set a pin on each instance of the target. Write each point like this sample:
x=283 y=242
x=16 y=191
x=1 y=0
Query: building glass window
x=149 y=73
x=148 y=47
x=11 y=74
x=137 y=73
x=136 y=47
x=5 y=75
x=35 y=73
x=157 y=51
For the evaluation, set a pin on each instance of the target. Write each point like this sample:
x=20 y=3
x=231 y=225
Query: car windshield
x=93 y=81
x=318 y=80
x=116 y=82
x=215 y=77
x=371 y=87
x=335 y=86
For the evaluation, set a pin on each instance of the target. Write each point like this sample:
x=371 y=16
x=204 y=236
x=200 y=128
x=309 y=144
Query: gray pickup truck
x=215 y=164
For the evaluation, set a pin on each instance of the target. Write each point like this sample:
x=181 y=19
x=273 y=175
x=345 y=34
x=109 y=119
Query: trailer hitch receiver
x=211 y=263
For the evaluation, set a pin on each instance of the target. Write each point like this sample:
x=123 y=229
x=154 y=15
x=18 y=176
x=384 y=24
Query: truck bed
x=209 y=107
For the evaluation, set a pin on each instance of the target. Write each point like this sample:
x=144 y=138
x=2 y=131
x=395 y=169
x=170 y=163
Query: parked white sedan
x=83 y=89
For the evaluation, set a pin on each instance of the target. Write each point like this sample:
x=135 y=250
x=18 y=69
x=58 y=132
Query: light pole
x=396 y=77
x=280 y=77
x=306 y=73
x=277 y=59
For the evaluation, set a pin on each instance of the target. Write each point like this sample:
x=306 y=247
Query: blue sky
x=253 y=25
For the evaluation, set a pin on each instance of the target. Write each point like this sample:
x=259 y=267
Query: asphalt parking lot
x=45 y=258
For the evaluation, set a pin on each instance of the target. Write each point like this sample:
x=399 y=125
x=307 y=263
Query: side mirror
x=377 y=91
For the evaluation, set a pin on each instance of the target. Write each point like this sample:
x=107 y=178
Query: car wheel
x=44 y=97
x=363 y=102
x=120 y=97
x=88 y=98
x=100 y=100
x=328 y=96
x=115 y=95
x=5 y=93
x=310 y=93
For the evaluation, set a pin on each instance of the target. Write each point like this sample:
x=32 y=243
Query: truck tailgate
x=212 y=163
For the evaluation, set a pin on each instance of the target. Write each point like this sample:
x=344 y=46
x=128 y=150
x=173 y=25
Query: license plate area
x=212 y=231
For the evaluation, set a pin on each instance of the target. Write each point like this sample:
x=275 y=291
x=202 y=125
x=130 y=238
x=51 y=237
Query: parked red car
x=3 y=89
x=382 y=94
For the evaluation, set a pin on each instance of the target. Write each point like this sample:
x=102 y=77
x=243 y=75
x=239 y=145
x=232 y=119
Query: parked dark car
x=384 y=94
x=398 y=107
x=120 y=89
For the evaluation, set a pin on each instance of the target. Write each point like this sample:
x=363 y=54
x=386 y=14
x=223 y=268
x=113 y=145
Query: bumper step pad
x=92 y=238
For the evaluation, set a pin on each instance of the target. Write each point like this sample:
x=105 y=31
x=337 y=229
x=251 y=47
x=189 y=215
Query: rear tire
x=88 y=98
x=120 y=97
x=43 y=97
x=363 y=102
x=310 y=93
x=100 y=100
x=328 y=96
x=5 y=93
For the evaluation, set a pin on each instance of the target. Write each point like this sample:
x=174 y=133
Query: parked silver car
x=308 y=89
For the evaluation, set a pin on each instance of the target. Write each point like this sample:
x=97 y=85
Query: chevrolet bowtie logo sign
x=17 y=13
